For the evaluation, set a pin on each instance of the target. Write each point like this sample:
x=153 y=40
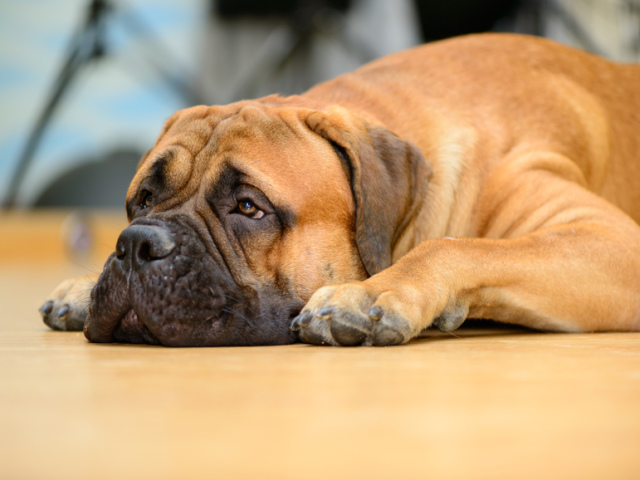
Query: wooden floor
x=488 y=404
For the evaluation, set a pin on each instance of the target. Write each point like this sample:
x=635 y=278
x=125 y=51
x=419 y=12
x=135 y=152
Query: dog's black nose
x=141 y=244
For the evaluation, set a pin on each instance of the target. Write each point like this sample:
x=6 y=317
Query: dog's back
x=474 y=85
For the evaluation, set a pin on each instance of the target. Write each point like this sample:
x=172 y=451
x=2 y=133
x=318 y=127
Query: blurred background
x=86 y=85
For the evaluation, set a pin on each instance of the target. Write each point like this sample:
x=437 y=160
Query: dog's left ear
x=388 y=177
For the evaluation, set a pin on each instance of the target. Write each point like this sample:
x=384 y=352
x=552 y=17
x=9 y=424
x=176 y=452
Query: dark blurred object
x=261 y=8
x=97 y=184
x=447 y=18
x=297 y=27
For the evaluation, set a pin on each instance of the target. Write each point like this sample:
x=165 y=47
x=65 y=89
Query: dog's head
x=239 y=213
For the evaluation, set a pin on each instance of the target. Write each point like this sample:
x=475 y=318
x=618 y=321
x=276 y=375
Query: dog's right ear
x=388 y=177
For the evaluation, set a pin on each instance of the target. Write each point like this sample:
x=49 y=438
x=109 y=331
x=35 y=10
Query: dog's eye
x=146 y=198
x=248 y=209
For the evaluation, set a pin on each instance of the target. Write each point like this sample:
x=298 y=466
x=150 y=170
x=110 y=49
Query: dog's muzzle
x=168 y=284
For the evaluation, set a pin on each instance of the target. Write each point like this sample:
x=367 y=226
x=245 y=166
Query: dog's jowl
x=488 y=176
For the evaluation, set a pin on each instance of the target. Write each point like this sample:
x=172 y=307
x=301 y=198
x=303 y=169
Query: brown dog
x=490 y=176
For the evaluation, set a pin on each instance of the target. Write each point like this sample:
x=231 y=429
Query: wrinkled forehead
x=271 y=145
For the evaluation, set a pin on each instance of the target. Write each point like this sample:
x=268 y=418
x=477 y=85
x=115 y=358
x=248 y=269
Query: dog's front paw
x=358 y=314
x=67 y=308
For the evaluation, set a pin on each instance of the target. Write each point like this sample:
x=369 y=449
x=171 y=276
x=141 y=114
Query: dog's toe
x=46 y=308
x=390 y=330
x=312 y=329
x=349 y=328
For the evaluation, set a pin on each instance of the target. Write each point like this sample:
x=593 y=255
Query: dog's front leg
x=566 y=262
x=67 y=307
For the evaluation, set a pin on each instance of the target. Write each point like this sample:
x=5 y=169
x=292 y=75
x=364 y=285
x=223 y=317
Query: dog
x=491 y=176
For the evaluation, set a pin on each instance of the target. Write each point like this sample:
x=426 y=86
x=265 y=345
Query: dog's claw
x=63 y=312
x=304 y=319
x=47 y=308
x=325 y=313
x=375 y=314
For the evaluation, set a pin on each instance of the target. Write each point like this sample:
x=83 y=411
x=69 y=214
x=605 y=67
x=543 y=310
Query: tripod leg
x=35 y=135
x=85 y=45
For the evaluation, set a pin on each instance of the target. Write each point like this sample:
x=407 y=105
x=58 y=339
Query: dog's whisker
x=231 y=298
x=237 y=314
